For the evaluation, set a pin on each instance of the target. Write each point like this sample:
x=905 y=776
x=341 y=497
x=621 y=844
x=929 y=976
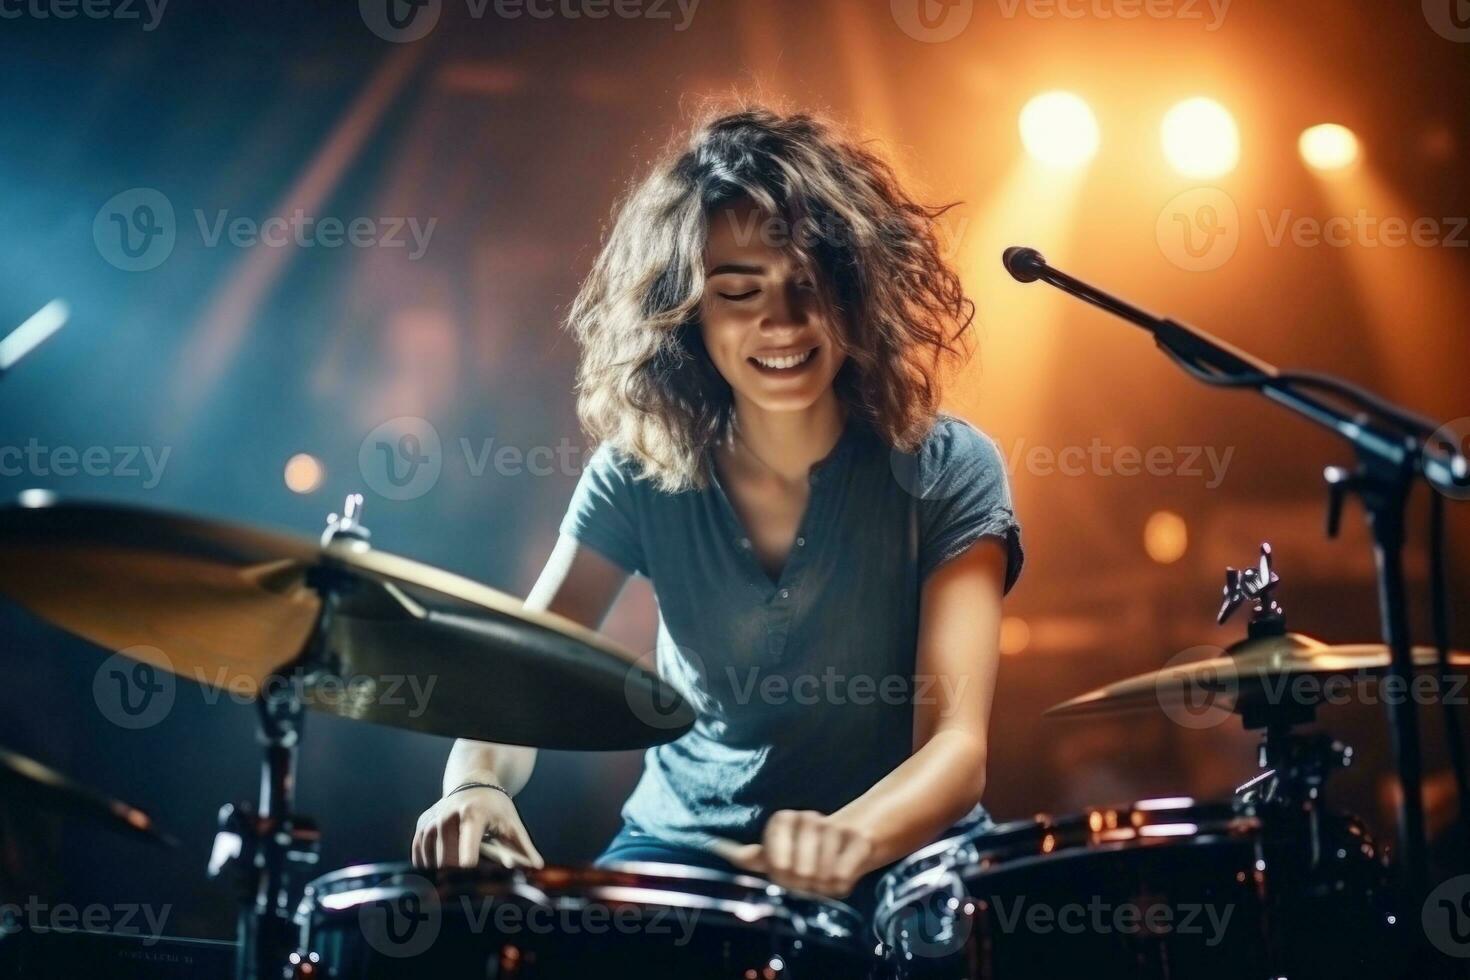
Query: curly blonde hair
x=646 y=384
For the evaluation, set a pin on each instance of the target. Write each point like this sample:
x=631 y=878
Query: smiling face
x=760 y=318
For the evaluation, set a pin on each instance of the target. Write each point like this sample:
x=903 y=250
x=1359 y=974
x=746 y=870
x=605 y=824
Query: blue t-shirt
x=803 y=687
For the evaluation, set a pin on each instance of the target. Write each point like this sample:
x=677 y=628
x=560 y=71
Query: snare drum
x=1159 y=888
x=644 y=920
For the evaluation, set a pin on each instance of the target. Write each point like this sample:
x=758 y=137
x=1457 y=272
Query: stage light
x=1328 y=147
x=1165 y=537
x=1200 y=138
x=304 y=473
x=1059 y=129
x=1015 y=634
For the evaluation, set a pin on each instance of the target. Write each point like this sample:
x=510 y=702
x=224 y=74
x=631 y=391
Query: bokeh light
x=304 y=473
x=1329 y=147
x=1015 y=634
x=1201 y=139
x=1165 y=537
x=1059 y=130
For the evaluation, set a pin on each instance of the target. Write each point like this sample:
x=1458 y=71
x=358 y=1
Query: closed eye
x=737 y=297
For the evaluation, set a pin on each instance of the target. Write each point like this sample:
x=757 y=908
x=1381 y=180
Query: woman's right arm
x=581 y=585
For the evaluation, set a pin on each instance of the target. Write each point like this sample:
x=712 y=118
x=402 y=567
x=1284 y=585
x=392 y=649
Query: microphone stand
x=1393 y=447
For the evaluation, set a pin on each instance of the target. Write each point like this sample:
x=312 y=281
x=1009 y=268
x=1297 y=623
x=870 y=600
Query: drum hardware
x=218 y=604
x=265 y=848
x=1287 y=793
x=1305 y=863
x=1394 y=448
x=392 y=921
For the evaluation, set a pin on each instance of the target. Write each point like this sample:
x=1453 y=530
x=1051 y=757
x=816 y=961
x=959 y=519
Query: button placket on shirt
x=778 y=604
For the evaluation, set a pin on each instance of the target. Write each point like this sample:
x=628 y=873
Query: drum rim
x=813 y=916
x=1215 y=822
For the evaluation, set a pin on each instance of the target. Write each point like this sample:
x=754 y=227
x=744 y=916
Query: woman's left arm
x=957 y=657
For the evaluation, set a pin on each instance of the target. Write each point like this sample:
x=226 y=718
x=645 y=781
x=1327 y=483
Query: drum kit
x=1271 y=883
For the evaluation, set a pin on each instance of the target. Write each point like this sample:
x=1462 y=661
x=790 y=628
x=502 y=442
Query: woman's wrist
x=478 y=784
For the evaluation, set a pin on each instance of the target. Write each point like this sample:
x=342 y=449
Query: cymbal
x=411 y=646
x=44 y=789
x=1252 y=669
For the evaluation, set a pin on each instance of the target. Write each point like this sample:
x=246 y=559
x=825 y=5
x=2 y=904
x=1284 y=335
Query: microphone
x=1024 y=264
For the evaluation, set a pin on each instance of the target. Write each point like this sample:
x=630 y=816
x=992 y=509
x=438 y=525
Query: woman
x=760 y=340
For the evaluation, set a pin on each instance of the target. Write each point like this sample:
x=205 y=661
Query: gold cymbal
x=1251 y=670
x=411 y=646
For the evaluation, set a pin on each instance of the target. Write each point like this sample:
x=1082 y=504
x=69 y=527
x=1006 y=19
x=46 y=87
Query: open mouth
x=789 y=364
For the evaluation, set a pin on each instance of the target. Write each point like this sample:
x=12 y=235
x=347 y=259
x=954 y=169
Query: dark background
x=516 y=135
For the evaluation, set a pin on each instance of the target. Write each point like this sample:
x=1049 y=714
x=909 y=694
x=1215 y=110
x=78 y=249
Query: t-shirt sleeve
x=964 y=495
x=604 y=514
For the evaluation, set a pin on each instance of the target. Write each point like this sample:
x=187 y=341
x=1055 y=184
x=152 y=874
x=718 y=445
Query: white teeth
x=784 y=362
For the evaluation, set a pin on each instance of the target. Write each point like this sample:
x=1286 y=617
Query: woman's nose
x=789 y=305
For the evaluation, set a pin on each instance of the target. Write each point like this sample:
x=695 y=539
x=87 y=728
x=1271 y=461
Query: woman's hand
x=452 y=833
x=806 y=851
